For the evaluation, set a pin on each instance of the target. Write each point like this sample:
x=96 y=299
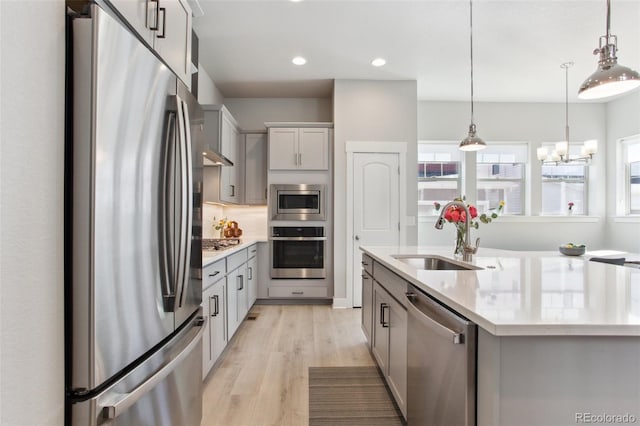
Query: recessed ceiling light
x=295 y=1
x=299 y=60
x=378 y=62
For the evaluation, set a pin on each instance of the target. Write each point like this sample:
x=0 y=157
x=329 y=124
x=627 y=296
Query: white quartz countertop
x=210 y=256
x=531 y=293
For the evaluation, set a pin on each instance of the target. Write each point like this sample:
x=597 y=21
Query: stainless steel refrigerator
x=133 y=227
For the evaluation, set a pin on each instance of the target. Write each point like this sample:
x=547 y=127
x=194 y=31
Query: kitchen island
x=558 y=337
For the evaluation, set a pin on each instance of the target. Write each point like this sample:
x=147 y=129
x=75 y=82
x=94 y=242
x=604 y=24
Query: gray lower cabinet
x=237 y=300
x=215 y=336
x=367 y=305
x=252 y=275
x=214 y=305
x=226 y=300
x=388 y=327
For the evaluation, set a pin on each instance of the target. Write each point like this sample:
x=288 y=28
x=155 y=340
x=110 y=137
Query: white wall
x=32 y=52
x=251 y=113
x=623 y=119
x=208 y=93
x=251 y=219
x=366 y=110
x=524 y=122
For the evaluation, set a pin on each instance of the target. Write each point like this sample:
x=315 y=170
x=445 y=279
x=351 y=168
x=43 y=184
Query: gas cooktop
x=217 y=244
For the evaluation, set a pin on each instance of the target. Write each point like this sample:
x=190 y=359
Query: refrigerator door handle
x=185 y=200
x=167 y=244
x=119 y=403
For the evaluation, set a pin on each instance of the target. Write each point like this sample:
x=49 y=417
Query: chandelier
x=561 y=152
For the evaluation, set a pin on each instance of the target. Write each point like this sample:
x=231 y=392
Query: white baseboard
x=340 y=303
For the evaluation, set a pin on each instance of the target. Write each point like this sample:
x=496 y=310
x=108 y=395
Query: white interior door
x=376 y=207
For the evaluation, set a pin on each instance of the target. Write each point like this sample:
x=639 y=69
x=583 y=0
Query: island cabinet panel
x=389 y=342
x=380 y=338
x=557 y=380
x=367 y=305
x=367 y=298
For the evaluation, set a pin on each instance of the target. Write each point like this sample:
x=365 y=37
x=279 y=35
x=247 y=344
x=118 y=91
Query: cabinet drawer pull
x=250 y=273
x=153 y=27
x=364 y=263
x=364 y=277
x=216 y=309
x=214 y=274
x=297 y=292
x=383 y=321
x=164 y=21
x=241 y=280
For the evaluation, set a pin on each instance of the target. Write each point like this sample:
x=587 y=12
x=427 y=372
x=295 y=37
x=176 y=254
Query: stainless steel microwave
x=297 y=202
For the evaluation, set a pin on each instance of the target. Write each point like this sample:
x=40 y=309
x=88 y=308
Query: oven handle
x=298 y=238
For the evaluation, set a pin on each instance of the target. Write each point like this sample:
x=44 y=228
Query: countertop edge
x=214 y=256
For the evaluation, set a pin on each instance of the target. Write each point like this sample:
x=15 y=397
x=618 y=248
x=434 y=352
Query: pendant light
x=472 y=142
x=610 y=78
x=561 y=152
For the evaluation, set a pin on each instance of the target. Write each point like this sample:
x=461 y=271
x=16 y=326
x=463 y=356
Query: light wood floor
x=262 y=378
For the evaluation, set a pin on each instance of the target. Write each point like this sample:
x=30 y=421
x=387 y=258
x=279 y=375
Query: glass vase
x=458 y=252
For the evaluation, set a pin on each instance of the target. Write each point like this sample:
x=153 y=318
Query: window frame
x=526 y=173
x=522 y=180
x=623 y=178
x=461 y=167
x=584 y=181
x=574 y=148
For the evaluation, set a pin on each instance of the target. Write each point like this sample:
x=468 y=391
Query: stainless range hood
x=213 y=158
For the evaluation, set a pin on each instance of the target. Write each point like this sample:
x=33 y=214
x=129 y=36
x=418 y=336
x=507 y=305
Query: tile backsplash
x=251 y=219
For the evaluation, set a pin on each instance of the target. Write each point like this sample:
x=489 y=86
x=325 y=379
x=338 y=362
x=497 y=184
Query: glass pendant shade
x=472 y=142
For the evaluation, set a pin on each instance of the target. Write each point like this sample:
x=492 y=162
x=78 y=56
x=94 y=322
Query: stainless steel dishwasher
x=441 y=364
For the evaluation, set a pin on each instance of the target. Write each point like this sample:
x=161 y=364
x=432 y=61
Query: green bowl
x=572 y=251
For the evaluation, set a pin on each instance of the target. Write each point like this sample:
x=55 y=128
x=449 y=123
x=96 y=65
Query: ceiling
x=518 y=45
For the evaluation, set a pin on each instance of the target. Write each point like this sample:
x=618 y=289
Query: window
x=500 y=174
x=563 y=184
x=634 y=187
x=631 y=166
x=439 y=175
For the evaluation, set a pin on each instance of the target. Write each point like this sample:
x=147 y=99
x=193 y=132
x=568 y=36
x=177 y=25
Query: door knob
x=357 y=238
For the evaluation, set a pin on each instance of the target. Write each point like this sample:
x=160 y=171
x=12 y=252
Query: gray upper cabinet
x=223 y=183
x=255 y=165
x=165 y=25
x=298 y=148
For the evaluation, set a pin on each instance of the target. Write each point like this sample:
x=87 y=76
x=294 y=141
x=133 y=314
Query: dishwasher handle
x=444 y=331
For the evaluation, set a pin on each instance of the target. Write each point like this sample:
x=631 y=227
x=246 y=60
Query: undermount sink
x=431 y=262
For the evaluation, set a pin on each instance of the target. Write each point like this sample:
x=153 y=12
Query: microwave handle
x=298 y=238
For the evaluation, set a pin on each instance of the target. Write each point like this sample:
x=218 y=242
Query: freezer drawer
x=165 y=390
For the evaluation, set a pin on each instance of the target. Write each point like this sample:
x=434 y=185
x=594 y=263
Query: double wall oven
x=299 y=245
